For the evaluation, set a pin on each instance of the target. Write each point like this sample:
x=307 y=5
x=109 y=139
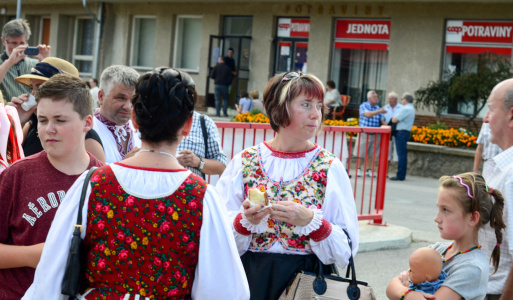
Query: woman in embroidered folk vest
x=308 y=189
x=154 y=230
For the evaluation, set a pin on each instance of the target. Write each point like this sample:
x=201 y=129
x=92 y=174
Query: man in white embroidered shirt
x=112 y=119
x=500 y=118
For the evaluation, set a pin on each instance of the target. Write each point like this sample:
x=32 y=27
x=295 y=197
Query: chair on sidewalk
x=338 y=112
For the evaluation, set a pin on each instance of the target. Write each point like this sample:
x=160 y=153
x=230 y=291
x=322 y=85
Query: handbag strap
x=82 y=197
x=205 y=136
x=350 y=266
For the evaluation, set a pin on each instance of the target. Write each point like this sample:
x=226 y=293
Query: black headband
x=45 y=70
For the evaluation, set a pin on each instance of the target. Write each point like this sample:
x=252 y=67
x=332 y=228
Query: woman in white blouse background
x=152 y=229
x=310 y=197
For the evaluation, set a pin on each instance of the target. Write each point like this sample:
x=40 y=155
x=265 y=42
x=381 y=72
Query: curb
x=374 y=238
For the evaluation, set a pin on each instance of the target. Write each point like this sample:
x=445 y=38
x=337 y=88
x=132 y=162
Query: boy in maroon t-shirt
x=32 y=188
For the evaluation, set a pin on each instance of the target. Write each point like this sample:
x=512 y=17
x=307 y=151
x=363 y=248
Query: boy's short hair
x=69 y=88
x=16 y=28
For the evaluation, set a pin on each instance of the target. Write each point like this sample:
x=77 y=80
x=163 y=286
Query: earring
x=185 y=133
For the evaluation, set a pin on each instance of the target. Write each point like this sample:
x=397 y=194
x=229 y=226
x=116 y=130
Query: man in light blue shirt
x=392 y=109
x=404 y=120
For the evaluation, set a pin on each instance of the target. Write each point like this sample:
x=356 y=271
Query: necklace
x=153 y=151
x=461 y=252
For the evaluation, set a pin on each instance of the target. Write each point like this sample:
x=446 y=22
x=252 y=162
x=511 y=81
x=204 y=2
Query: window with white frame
x=188 y=43
x=143 y=42
x=83 y=45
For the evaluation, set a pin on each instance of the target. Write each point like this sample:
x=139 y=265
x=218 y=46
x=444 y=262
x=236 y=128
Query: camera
x=31 y=51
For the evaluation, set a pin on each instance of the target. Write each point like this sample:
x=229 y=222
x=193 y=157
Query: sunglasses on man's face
x=290 y=75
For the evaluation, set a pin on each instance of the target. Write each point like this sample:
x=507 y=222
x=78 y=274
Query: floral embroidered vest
x=307 y=189
x=142 y=246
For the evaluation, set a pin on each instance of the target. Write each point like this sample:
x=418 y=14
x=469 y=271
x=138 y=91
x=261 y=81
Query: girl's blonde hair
x=2 y=99
x=478 y=197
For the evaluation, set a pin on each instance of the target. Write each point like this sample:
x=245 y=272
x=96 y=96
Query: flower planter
x=435 y=161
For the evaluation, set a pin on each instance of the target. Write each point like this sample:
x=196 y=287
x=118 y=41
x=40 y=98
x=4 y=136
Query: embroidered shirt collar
x=120 y=132
x=289 y=154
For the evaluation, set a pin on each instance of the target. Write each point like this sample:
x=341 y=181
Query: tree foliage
x=470 y=86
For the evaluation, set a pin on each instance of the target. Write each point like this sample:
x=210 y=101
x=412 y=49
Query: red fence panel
x=341 y=141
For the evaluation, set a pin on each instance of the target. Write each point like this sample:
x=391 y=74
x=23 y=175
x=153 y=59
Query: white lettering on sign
x=299 y=27
x=482 y=31
x=368 y=29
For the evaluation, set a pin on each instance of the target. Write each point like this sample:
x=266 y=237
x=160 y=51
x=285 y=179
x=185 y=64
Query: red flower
x=130 y=201
x=170 y=210
x=162 y=207
x=173 y=292
x=129 y=239
x=101 y=263
x=323 y=173
x=157 y=261
x=121 y=236
x=292 y=243
x=123 y=254
x=182 y=186
x=188 y=181
x=259 y=240
x=259 y=171
x=193 y=205
x=105 y=209
x=98 y=207
x=101 y=225
x=165 y=226
x=182 y=279
x=166 y=264
x=177 y=275
x=316 y=177
x=190 y=246
x=185 y=238
x=102 y=247
x=96 y=178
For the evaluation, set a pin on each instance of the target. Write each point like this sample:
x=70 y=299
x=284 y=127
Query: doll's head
x=425 y=265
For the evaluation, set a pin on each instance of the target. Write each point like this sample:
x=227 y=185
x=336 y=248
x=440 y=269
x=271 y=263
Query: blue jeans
x=401 y=142
x=221 y=93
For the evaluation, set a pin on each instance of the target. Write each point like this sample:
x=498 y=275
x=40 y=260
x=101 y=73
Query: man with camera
x=14 y=60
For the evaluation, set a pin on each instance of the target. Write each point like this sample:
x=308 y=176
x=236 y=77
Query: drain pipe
x=18 y=10
x=98 y=32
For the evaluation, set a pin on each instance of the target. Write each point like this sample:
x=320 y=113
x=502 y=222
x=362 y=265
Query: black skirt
x=270 y=273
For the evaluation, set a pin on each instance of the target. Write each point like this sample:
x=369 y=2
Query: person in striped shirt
x=14 y=62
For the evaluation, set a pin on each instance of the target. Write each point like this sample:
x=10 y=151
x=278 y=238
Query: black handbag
x=74 y=275
x=307 y=285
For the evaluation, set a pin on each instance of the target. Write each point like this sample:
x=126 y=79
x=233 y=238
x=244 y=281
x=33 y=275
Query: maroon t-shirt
x=30 y=193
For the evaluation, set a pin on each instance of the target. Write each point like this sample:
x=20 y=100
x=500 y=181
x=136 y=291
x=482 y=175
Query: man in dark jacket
x=222 y=75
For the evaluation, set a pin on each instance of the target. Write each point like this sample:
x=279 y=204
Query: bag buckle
x=79 y=227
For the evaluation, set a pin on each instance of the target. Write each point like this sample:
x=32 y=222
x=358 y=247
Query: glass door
x=300 y=56
x=214 y=51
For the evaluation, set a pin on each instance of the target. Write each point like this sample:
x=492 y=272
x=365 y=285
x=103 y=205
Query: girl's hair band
x=463 y=184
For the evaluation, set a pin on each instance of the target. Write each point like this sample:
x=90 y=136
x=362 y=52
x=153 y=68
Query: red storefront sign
x=288 y=27
x=479 y=32
x=363 y=29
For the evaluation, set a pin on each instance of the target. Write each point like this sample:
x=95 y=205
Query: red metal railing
x=371 y=192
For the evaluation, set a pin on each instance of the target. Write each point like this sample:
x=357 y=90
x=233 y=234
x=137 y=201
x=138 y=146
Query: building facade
x=361 y=45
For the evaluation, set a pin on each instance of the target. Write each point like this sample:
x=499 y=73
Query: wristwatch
x=202 y=164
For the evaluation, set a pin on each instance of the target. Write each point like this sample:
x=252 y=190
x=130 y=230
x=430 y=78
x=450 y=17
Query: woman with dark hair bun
x=154 y=230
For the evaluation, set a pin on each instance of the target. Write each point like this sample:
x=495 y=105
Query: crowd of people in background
x=153 y=228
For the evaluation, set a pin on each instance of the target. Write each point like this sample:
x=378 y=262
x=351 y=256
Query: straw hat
x=46 y=69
